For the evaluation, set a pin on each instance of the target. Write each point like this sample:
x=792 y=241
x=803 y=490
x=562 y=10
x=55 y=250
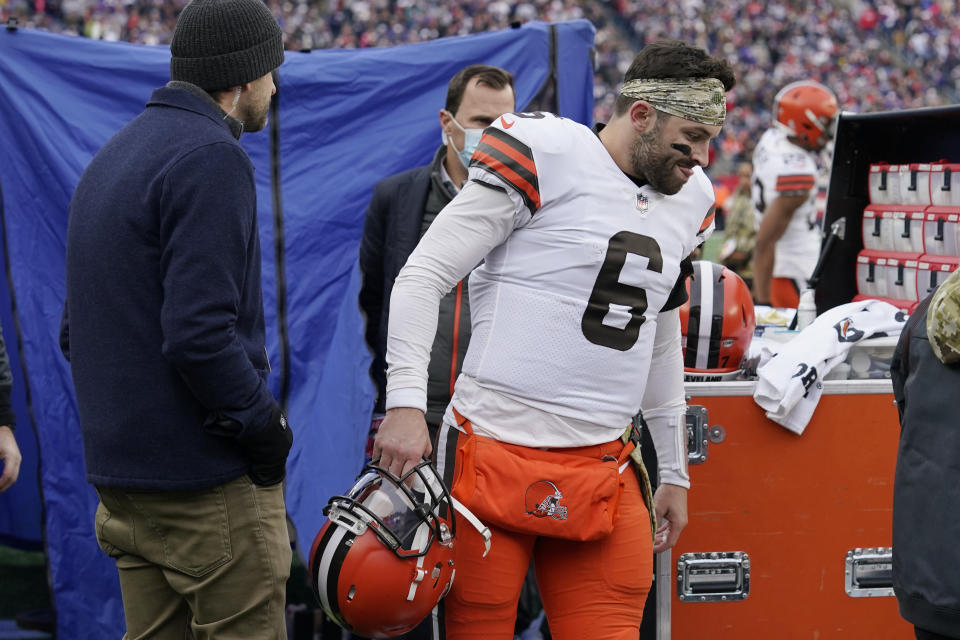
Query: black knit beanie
x=218 y=44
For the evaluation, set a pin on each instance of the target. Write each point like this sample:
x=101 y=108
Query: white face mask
x=471 y=138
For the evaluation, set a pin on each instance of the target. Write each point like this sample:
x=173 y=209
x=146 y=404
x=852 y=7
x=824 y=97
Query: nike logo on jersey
x=506 y=125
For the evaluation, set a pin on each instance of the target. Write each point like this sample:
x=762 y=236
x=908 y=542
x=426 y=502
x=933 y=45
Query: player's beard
x=656 y=163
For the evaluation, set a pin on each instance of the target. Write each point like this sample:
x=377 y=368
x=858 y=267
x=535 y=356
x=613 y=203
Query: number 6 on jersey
x=609 y=290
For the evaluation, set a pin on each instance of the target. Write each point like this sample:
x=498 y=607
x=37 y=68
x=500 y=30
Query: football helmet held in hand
x=384 y=558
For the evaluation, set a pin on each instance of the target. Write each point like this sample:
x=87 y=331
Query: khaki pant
x=211 y=563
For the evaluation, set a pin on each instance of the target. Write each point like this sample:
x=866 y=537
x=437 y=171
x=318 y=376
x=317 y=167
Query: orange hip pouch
x=549 y=492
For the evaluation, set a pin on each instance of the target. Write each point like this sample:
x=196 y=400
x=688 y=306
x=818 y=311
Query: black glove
x=267 y=450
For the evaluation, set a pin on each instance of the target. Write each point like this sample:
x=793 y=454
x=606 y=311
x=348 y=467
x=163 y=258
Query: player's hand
x=402 y=441
x=10 y=457
x=670 y=503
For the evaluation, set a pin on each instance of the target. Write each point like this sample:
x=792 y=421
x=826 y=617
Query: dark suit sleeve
x=900 y=364
x=372 y=247
x=898 y=373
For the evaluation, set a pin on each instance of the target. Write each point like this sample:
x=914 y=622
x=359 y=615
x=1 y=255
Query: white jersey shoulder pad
x=511 y=148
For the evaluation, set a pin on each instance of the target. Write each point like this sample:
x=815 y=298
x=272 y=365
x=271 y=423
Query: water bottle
x=806 y=310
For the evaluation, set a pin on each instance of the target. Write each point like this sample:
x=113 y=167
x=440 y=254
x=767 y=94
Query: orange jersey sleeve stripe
x=708 y=220
x=524 y=161
x=795 y=182
x=530 y=194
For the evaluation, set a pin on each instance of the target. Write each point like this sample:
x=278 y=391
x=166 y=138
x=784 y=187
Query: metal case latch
x=720 y=576
x=700 y=434
x=696 y=434
x=869 y=572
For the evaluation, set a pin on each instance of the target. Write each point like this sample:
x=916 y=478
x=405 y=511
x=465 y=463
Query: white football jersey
x=564 y=311
x=780 y=167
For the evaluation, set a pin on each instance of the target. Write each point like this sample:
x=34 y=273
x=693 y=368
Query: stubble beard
x=655 y=164
x=256 y=117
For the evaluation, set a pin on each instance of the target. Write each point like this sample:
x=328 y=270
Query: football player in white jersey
x=584 y=239
x=784 y=192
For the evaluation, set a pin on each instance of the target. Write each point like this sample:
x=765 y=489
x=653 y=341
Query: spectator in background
x=9 y=451
x=164 y=331
x=739 y=235
x=926 y=495
x=784 y=192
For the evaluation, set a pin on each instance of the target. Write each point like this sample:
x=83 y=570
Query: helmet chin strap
x=423 y=533
x=483 y=529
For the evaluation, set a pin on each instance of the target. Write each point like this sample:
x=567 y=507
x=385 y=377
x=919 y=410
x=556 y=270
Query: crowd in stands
x=875 y=54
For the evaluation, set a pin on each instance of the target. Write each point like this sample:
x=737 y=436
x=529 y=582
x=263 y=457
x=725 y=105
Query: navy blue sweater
x=163 y=324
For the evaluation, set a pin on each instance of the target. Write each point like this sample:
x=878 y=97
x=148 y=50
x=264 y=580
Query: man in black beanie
x=164 y=329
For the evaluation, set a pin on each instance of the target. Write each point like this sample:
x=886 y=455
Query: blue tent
x=343 y=121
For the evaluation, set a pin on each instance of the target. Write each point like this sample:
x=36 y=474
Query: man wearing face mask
x=402 y=209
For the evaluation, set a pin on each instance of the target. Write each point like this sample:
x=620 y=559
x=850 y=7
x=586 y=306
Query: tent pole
x=278 y=247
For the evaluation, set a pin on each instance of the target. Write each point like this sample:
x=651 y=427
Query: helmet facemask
x=384 y=559
x=408 y=513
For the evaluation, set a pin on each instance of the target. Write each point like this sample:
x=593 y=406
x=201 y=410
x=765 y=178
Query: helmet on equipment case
x=384 y=558
x=717 y=323
x=806 y=110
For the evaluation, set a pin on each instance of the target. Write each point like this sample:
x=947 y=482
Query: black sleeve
x=7 y=417
x=371 y=287
x=900 y=364
x=679 y=294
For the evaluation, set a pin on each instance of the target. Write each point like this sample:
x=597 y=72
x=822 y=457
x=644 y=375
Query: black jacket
x=393 y=227
x=926 y=490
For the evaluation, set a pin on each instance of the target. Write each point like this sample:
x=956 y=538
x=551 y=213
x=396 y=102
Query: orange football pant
x=784 y=293
x=589 y=589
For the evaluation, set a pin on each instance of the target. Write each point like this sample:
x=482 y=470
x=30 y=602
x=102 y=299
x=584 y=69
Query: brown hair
x=493 y=77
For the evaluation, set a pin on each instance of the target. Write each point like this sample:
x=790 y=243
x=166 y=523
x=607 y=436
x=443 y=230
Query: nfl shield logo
x=642 y=203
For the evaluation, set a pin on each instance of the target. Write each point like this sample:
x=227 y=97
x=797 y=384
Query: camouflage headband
x=943 y=320
x=698 y=99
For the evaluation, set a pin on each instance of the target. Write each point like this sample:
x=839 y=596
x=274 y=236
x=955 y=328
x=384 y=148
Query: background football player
x=784 y=192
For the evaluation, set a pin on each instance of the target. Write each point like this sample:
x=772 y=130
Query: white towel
x=791 y=382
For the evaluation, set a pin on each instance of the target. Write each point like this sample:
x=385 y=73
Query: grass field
x=712 y=246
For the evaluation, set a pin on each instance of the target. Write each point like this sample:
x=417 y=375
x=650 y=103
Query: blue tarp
x=346 y=120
